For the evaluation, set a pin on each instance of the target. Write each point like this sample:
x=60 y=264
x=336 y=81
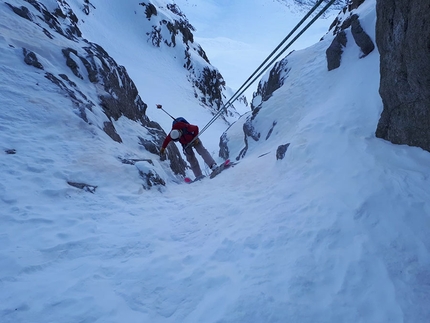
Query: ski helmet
x=175 y=134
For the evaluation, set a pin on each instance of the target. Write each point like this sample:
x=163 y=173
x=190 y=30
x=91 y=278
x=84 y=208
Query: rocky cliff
x=207 y=82
x=348 y=21
x=100 y=90
x=403 y=40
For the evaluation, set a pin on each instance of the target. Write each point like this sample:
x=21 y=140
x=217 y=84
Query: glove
x=196 y=142
x=162 y=151
x=159 y=106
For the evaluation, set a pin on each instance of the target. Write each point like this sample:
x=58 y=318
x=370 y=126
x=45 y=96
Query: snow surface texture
x=337 y=231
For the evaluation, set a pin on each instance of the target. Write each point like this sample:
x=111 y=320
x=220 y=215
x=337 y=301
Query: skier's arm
x=166 y=141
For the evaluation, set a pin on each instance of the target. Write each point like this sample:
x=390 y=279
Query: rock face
x=100 y=90
x=171 y=28
x=274 y=81
x=280 y=152
x=335 y=50
x=347 y=21
x=116 y=92
x=347 y=26
x=360 y=37
x=403 y=40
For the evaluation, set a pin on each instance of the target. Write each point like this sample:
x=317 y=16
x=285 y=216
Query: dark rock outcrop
x=280 y=152
x=21 y=11
x=89 y=69
x=403 y=39
x=207 y=82
x=267 y=86
x=30 y=58
x=151 y=179
x=224 y=152
x=61 y=21
x=80 y=102
x=119 y=96
x=10 y=151
x=271 y=129
x=155 y=141
x=335 y=50
x=277 y=76
x=150 y=9
x=361 y=38
x=87 y=7
x=110 y=130
x=249 y=131
x=339 y=26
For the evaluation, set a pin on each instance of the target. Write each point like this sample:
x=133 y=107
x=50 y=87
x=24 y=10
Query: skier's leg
x=192 y=160
x=204 y=153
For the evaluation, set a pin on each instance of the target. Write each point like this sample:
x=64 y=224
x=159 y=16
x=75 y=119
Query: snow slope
x=337 y=231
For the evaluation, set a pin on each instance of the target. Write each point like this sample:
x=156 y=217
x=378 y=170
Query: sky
x=337 y=231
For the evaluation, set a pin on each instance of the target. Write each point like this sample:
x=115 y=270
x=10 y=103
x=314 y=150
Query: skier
x=184 y=132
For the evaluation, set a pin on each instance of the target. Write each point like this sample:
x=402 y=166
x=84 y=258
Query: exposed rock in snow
x=101 y=90
x=280 y=152
x=361 y=38
x=30 y=58
x=171 y=28
x=347 y=20
x=274 y=81
x=335 y=51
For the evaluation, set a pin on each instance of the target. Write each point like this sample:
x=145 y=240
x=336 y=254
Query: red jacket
x=189 y=131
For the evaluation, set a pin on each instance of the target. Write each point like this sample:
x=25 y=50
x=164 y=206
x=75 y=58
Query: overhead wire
x=276 y=49
x=251 y=80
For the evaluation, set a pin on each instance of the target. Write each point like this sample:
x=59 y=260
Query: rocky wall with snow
x=100 y=90
x=403 y=39
x=347 y=27
x=170 y=28
x=348 y=21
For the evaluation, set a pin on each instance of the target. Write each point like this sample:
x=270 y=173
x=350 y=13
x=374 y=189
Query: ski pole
x=159 y=106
